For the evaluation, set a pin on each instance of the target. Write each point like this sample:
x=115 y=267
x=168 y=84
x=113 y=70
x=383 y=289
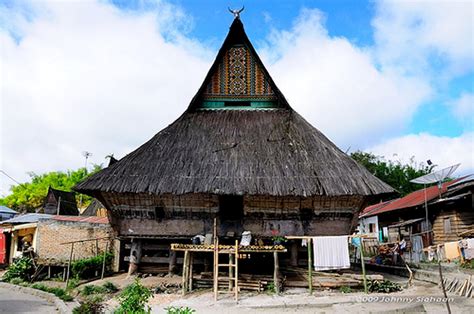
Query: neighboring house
x=453 y=214
x=20 y=233
x=49 y=237
x=95 y=208
x=6 y=213
x=369 y=225
x=59 y=202
x=450 y=213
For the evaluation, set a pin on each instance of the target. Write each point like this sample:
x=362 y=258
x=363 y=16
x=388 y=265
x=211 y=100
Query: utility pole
x=86 y=154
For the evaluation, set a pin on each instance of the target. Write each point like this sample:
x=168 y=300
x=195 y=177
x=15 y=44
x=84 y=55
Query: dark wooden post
x=294 y=254
x=276 y=272
x=207 y=263
x=190 y=271
x=231 y=271
x=172 y=262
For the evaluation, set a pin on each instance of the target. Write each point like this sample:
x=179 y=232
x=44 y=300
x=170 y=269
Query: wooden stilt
x=190 y=271
x=276 y=272
x=185 y=280
x=172 y=262
x=49 y=272
x=69 y=264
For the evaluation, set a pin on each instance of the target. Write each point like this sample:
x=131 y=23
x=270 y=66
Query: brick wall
x=51 y=233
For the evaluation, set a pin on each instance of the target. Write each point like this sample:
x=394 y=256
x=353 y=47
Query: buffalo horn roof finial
x=236 y=13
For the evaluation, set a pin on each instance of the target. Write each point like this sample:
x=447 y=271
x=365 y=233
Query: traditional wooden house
x=59 y=202
x=241 y=154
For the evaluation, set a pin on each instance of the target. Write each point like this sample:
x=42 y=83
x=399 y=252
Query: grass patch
x=92 y=289
x=385 y=286
x=22 y=268
x=88 y=267
x=59 y=292
x=91 y=305
x=179 y=310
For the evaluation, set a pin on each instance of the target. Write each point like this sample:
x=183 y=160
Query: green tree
x=26 y=197
x=394 y=173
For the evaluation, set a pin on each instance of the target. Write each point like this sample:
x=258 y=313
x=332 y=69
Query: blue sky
x=393 y=78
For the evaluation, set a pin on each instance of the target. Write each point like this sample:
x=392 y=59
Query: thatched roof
x=252 y=151
x=273 y=152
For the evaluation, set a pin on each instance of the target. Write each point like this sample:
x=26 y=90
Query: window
x=159 y=213
x=447 y=225
x=231 y=207
x=371 y=228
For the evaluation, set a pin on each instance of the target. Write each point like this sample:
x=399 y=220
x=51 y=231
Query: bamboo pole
x=310 y=265
x=216 y=269
x=442 y=284
x=236 y=291
x=69 y=264
x=103 y=261
x=362 y=264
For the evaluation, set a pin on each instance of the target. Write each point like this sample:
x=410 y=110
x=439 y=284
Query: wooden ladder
x=233 y=267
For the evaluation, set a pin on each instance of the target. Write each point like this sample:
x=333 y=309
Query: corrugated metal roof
x=466 y=179
x=89 y=219
x=4 y=209
x=366 y=211
x=413 y=199
x=26 y=218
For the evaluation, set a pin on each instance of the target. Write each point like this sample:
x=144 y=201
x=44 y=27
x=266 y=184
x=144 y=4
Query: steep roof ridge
x=237 y=35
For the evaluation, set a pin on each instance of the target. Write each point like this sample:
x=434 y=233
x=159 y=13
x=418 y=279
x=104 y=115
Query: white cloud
x=86 y=76
x=338 y=87
x=443 y=151
x=412 y=34
x=463 y=108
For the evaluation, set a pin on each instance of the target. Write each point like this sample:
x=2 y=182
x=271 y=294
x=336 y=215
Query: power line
x=6 y=174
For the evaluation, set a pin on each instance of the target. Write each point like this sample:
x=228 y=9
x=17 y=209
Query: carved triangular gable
x=239 y=76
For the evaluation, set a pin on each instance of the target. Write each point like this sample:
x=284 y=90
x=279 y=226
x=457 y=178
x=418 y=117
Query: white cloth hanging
x=331 y=252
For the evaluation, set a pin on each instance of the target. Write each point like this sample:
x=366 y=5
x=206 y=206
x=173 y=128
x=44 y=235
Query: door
x=3 y=248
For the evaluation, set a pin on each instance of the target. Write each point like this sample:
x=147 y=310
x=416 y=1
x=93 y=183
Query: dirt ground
x=421 y=297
